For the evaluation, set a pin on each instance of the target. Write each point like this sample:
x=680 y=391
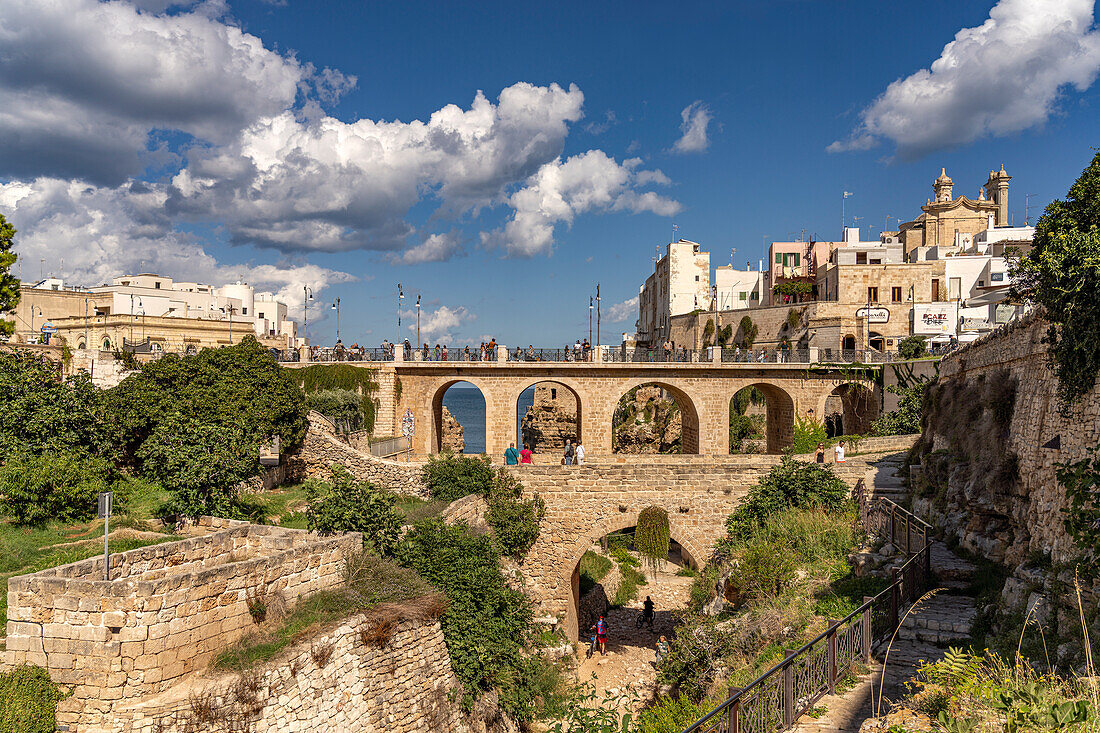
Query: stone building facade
x=680 y=283
x=944 y=218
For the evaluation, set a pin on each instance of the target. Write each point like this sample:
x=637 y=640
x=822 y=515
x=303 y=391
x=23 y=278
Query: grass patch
x=593 y=569
x=284 y=504
x=632 y=577
x=369 y=582
x=417 y=510
x=26 y=550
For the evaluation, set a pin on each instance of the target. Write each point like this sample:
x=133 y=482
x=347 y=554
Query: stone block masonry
x=403 y=685
x=166 y=612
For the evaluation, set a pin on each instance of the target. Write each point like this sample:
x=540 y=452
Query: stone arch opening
x=547 y=414
x=655 y=417
x=691 y=552
x=849 y=409
x=848 y=343
x=876 y=341
x=467 y=430
x=761 y=419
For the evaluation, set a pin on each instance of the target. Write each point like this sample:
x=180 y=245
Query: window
x=872 y=295
x=696 y=278
x=981 y=283
x=861 y=258
x=244 y=311
x=261 y=315
x=743 y=295
x=778 y=259
x=156 y=285
x=935 y=291
x=895 y=295
x=553 y=393
x=876 y=262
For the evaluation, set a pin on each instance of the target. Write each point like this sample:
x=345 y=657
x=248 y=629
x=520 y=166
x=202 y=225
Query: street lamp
x=229 y=307
x=590 y=306
x=336 y=307
x=400 y=298
x=32 y=315
x=307 y=295
x=597 y=314
x=418 y=321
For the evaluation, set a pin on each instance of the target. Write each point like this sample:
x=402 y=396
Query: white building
x=680 y=283
x=736 y=289
x=155 y=295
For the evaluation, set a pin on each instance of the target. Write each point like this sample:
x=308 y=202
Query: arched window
x=106 y=344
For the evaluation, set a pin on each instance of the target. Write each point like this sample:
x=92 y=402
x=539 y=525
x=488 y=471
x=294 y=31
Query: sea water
x=466 y=404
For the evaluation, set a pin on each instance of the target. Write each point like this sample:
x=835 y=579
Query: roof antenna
x=674 y=230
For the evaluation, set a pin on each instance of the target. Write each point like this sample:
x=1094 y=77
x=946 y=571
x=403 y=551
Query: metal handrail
x=908 y=581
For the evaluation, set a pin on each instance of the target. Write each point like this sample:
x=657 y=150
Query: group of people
x=838 y=452
x=599 y=631
x=572 y=456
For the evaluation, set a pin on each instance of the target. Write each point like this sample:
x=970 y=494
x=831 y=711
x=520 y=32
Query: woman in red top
x=525 y=454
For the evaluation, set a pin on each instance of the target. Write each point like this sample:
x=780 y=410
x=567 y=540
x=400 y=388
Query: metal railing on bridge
x=387 y=447
x=775 y=700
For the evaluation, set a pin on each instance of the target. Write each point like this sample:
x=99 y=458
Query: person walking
x=839 y=452
x=511 y=455
x=567 y=459
x=525 y=454
x=820 y=458
x=662 y=651
x=444 y=352
x=578 y=453
x=600 y=628
x=647 y=612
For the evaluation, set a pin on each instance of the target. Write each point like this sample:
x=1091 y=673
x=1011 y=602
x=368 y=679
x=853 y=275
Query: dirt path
x=629 y=662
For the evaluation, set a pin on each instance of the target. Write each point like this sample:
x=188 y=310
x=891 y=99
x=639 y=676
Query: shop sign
x=933 y=319
x=874 y=314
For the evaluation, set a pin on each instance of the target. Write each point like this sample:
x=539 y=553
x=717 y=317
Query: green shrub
x=451 y=476
x=764 y=570
x=703 y=588
x=344 y=378
x=672 y=714
x=911 y=347
x=35 y=489
x=792 y=483
x=347 y=505
x=807 y=434
x=342 y=406
x=28 y=701
x=487 y=624
x=200 y=464
x=592 y=569
x=906 y=418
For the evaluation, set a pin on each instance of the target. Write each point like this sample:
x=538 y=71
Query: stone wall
x=551 y=419
x=167 y=610
x=401 y=685
x=1015 y=519
x=453 y=438
x=321 y=449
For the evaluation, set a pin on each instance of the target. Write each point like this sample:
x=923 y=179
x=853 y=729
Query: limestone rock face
x=551 y=420
x=651 y=422
x=453 y=439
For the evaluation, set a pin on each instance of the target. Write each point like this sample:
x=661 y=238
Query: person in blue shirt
x=511 y=456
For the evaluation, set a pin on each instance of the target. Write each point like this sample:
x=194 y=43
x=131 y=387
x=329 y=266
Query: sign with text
x=934 y=318
x=874 y=314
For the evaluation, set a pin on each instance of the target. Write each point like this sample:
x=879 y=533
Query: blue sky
x=741 y=123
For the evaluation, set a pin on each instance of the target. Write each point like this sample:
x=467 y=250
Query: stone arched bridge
x=703 y=391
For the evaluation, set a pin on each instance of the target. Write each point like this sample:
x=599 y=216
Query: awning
x=990 y=297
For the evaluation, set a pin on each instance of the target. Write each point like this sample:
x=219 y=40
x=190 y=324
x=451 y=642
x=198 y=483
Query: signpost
x=106 y=504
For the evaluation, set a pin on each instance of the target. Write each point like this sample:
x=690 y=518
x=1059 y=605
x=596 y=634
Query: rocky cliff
x=452 y=433
x=647 y=420
x=551 y=420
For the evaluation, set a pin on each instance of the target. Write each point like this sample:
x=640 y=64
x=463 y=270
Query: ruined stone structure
x=651 y=423
x=166 y=612
x=321 y=449
x=551 y=419
x=703 y=391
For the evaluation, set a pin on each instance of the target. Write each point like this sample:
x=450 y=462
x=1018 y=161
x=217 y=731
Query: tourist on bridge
x=570 y=452
x=525 y=454
x=466 y=354
x=425 y=356
x=438 y=352
x=444 y=352
x=578 y=453
x=511 y=456
x=407 y=351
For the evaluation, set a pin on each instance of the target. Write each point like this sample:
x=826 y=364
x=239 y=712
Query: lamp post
x=32 y=315
x=597 y=314
x=229 y=307
x=86 y=323
x=418 y=321
x=590 y=306
x=131 y=319
x=336 y=307
x=400 y=297
x=843 y=221
x=307 y=295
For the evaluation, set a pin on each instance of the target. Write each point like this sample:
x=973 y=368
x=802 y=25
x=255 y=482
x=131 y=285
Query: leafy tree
x=724 y=335
x=363 y=382
x=43 y=487
x=342 y=406
x=807 y=434
x=9 y=284
x=1081 y=482
x=39 y=412
x=200 y=464
x=347 y=505
x=747 y=331
x=1062 y=273
x=906 y=418
x=487 y=624
x=911 y=347
x=237 y=388
x=792 y=483
x=450 y=476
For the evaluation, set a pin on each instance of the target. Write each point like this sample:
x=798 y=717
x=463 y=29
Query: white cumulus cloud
x=625 y=311
x=434 y=248
x=1001 y=77
x=562 y=189
x=440 y=325
x=695 y=118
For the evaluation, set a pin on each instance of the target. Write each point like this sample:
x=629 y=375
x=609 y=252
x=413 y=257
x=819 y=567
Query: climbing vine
x=651 y=537
x=1081 y=482
x=329 y=377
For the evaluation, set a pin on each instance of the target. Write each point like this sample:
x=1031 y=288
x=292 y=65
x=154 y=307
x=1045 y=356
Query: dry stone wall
x=321 y=449
x=332 y=682
x=167 y=610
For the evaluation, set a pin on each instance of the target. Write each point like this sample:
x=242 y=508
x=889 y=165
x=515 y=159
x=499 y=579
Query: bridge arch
x=857 y=403
x=694 y=551
x=436 y=442
x=779 y=415
x=689 y=414
x=554 y=385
